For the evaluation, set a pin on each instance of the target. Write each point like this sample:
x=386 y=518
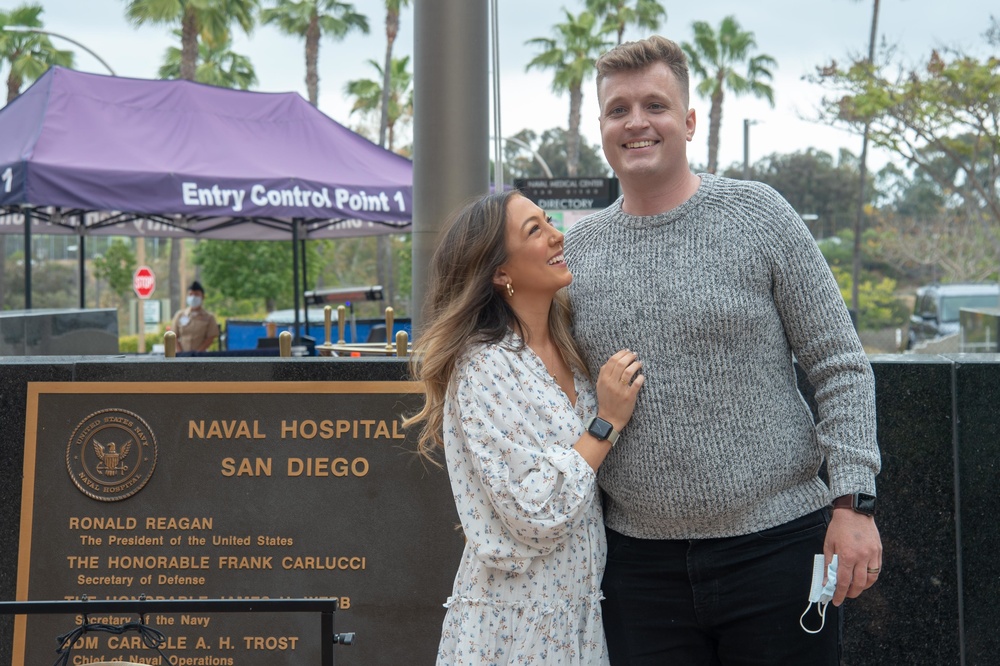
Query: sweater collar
x=619 y=216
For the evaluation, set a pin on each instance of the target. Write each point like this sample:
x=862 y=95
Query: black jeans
x=709 y=602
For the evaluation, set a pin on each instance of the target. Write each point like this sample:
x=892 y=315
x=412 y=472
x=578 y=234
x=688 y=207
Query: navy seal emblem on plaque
x=111 y=455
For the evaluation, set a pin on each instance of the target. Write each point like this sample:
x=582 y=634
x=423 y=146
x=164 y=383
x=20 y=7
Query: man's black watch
x=602 y=429
x=860 y=502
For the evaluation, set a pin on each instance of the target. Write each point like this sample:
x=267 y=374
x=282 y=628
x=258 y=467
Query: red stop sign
x=143 y=282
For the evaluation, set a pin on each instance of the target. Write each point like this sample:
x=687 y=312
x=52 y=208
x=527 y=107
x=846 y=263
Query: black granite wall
x=937 y=428
x=55 y=332
x=911 y=615
x=977 y=442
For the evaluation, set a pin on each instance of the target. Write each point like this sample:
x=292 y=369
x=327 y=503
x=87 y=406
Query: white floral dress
x=528 y=587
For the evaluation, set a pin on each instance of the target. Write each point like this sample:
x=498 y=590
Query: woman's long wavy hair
x=464 y=307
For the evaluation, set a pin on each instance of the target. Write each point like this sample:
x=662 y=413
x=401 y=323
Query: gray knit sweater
x=716 y=296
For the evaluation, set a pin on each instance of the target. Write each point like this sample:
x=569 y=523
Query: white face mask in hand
x=819 y=593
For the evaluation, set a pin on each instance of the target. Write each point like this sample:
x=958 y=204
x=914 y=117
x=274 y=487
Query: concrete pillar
x=451 y=121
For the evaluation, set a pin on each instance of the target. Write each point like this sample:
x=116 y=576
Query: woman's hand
x=618 y=386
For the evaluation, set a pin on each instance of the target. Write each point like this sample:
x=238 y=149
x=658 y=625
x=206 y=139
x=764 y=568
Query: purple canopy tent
x=91 y=154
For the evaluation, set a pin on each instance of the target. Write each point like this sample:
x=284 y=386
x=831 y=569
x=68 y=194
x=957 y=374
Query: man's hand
x=856 y=541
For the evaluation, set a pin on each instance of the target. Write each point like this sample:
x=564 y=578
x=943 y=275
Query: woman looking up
x=523 y=429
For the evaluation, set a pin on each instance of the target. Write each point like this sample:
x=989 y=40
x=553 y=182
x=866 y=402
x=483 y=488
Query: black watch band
x=860 y=502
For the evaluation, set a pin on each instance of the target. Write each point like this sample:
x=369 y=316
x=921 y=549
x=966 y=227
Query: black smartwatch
x=602 y=429
x=860 y=502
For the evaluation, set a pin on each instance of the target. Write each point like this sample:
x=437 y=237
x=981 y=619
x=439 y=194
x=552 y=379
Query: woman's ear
x=500 y=279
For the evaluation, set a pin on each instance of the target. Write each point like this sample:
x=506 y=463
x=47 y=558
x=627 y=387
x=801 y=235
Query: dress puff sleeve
x=519 y=485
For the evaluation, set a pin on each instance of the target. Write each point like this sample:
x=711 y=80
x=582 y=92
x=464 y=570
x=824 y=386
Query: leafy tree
x=116 y=267
x=53 y=284
x=521 y=162
x=352 y=262
x=715 y=56
x=618 y=14
x=926 y=237
x=551 y=147
x=571 y=55
x=878 y=305
x=347 y=262
x=369 y=95
x=26 y=55
x=938 y=249
x=256 y=271
x=942 y=119
x=217 y=65
x=402 y=252
x=814 y=184
x=311 y=20
x=909 y=192
x=392 y=9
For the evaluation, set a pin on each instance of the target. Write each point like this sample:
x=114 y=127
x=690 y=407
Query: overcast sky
x=799 y=34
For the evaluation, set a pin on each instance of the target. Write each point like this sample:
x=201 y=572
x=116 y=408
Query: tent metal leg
x=81 y=248
x=295 y=277
x=27 y=258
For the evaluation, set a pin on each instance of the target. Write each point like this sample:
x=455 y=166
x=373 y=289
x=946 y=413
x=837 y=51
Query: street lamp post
x=22 y=28
x=538 y=158
x=747 y=122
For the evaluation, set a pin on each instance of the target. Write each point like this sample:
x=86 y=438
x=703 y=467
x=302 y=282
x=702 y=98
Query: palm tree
x=392 y=8
x=618 y=14
x=395 y=103
x=207 y=21
x=714 y=56
x=369 y=93
x=312 y=19
x=571 y=56
x=217 y=65
x=201 y=20
x=28 y=55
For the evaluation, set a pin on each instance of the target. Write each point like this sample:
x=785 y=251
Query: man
x=713 y=501
x=195 y=327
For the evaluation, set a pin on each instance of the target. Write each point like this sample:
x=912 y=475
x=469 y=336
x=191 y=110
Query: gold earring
x=510 y=290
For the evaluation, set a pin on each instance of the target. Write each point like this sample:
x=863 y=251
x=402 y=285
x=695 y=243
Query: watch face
x=600 y=428
x=864 y=503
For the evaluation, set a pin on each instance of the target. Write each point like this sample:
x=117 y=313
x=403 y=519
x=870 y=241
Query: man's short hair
x=196 y=286
x=633 y=56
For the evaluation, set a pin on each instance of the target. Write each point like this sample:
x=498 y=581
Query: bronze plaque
x=226 y=490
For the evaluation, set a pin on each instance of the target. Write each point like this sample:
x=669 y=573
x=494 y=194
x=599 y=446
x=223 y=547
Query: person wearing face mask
x=524 y=428
x=195 y=326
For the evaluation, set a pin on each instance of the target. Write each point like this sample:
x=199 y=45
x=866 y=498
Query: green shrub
x=129 y=344
x=878 y=305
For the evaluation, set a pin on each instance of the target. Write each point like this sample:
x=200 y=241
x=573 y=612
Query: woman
x=509 y=401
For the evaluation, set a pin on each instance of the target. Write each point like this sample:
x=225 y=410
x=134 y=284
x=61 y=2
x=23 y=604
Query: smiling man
x=714 y=505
